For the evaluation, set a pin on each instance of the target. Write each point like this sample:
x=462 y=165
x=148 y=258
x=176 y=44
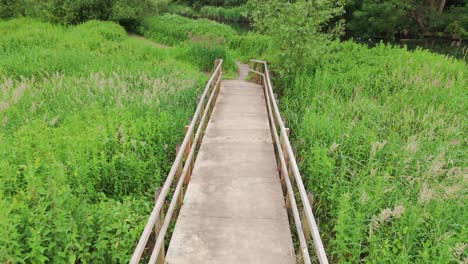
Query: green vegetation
x=173 y=29
x=381 y=135
x=89 y=121
x=234 y=14
x=211 y=39
x=403 y=19
x=76 y=11
x=298 y=42
x=200 y=3
x=393 y=19
x=238 y=14
x=202 y=40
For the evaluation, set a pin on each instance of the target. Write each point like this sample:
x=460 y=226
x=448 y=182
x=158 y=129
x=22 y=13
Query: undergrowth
x=381 y=138
x=218 y=13
x=89 y=121
x=205 y=36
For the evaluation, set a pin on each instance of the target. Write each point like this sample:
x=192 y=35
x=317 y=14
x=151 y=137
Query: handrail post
x=187 y=151
x=159 y=222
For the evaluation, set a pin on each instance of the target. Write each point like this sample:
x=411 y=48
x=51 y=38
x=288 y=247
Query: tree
x=298 y=28
x=403 y=18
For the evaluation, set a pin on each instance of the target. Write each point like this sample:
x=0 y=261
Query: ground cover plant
x=216 y=38
x=381 y=138
x=234 y=14
x=89 y=121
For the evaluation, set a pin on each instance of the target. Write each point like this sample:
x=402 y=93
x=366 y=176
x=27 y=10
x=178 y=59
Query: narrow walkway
x=233 y=210
x=242 y=71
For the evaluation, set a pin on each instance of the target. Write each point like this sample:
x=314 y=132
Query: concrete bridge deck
x=233 y=210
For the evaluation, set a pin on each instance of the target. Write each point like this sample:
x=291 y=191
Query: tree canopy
x=77 y=11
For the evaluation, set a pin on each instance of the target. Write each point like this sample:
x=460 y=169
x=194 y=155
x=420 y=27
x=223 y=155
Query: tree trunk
x=415 y=16
x=441 y=6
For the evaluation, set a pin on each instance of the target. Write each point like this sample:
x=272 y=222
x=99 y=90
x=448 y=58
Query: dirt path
x=154 y=44
x=242 y=70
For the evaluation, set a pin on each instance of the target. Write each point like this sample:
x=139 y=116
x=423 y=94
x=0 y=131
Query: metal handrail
x=200 y=119
x=290 y=172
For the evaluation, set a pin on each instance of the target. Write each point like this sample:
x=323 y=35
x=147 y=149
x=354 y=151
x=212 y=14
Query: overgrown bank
x=89 y=121
x=381 y=138
x=210 y=39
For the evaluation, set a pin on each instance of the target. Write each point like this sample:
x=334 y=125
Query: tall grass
x=233 y=14
x=89 y=120
x=381 y=138
x=224 y=14
x=172 y=29
x=209 y=37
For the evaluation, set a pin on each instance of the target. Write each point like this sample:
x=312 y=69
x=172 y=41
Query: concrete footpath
x=233 y=210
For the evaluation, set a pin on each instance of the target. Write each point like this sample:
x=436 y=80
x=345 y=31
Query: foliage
x=200 y=3
x=296 y=28
x=77 y=11
x=89 y=121
x=234 y=14
x=385 y=19
x=381 y=139
x=204 y=54
x=204 y=40
x=183 y=10
x=402 y=18
x=171 y=29
x=251 y=46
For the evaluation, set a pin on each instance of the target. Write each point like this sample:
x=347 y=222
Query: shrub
x=77 y=11
x=251 y=46
x=172 y=29
x=235 y=14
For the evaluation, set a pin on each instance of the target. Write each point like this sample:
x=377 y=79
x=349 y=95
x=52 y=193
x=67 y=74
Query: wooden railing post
x=158 y=225
x=216 y=63
x=186 y=153
x=306 y=224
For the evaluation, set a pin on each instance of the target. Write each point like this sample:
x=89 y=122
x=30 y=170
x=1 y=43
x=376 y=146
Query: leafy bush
x=403 y=19
x=183 y=10
x=381 y=139
x=77 y=11
x=234 y=14
x=297 y=28
x=202 y=40
x=89 y=121
x=200 y=3
x=251 y=46
x=177 y=30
